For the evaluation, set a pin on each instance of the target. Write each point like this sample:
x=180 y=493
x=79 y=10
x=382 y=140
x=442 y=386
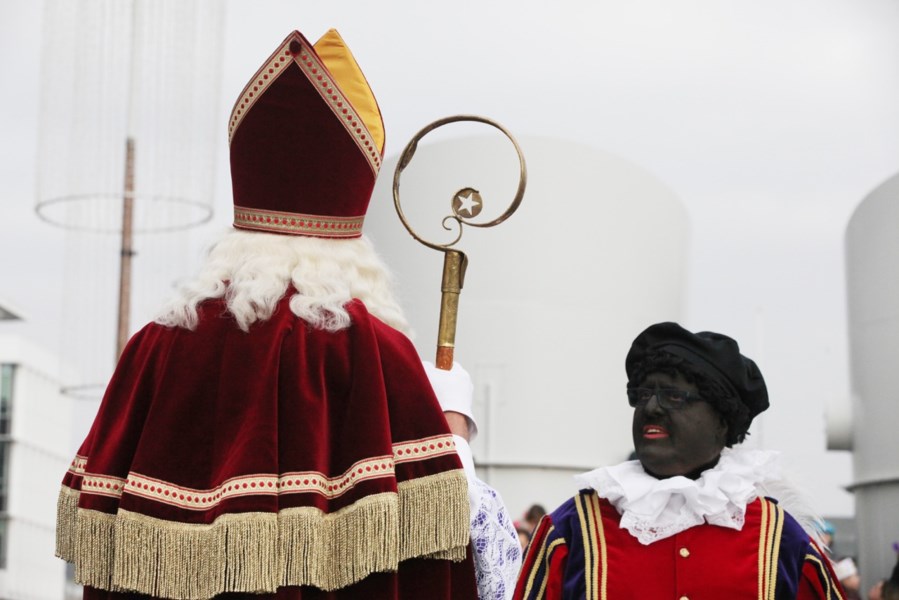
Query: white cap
x=455 y=392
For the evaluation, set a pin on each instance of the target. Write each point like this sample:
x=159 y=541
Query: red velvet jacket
x=580 y=551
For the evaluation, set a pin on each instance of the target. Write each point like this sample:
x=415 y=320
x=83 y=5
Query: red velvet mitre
x=306 y=139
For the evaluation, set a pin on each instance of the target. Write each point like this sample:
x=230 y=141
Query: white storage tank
x=872 y=269
x=552 y=298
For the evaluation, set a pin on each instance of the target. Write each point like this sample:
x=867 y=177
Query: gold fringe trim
x=258 y=552
x=180 y=560
x=95 y=548
x=66 y=521
x=341 y=548
x=441 y=533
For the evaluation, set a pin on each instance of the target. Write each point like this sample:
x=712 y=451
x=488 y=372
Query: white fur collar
x=653 y=509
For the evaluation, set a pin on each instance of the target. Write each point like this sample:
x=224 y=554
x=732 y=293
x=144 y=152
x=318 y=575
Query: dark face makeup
x=677 y=441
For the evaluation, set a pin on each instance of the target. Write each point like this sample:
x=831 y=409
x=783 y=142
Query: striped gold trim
x=267 y=485
x=596 y=516
x=102 y=485
x=299 y=482
x=775 y=548
x=258 y=552
x=438 y=445
x=770 y=533
x=77 y=466
x=763 y=550
x=264 y=77
x=321 y=78
x=822 y=571
x=297 y=223
x=595 y=567
x=549 y=552
x=590 y=550
x=544 y=550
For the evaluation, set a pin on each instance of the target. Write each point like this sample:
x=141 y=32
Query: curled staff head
x=466 y=203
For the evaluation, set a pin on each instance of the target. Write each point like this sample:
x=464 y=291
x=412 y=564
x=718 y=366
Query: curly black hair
x=718 y=394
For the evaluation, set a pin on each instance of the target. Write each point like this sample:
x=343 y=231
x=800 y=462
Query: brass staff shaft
x=127 y=250
x=454 y=265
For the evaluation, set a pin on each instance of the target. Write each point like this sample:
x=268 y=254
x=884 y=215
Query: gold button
x=685 y=553
x=684 y=598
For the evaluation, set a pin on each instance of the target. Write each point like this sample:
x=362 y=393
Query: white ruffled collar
x=653 y=509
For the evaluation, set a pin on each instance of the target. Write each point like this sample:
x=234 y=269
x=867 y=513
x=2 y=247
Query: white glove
x=454 y=390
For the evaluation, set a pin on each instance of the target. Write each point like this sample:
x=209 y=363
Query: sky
x=771 y=121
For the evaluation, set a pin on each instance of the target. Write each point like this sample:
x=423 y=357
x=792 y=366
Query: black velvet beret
x=716 y=356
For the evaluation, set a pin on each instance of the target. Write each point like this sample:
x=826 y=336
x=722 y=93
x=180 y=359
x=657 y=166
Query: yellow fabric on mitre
x=337 y=57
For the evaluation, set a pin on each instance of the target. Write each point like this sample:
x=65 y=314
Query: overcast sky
x=770 y=119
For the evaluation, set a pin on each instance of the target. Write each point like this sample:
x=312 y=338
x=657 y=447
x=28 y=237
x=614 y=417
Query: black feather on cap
x=715 y=355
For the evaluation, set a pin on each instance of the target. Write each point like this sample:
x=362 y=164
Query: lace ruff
x=653 y=509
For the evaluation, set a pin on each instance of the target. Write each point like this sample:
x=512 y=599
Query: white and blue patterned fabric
x=494 y=541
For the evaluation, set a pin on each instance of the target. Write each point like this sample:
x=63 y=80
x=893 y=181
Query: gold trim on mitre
x=357 y=120
x=297 y=223
x=336 y=56
x=259 y=83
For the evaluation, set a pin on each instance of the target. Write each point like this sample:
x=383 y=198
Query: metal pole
x=127 y=250
x=454 y=263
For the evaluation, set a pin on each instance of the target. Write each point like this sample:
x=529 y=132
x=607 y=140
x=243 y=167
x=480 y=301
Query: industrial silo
x=872 y=270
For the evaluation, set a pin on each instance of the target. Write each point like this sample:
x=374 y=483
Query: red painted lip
x=654 y=432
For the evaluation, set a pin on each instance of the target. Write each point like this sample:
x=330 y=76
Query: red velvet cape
x=230 y=461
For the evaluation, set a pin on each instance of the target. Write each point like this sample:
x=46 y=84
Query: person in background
x=695 y=516
x=524 y=536
x=274 y=434
x=847 y=572
x=533 y=515
x=887 y=589
x=844 y=567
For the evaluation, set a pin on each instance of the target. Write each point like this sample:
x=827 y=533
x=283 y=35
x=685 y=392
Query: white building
x=35 y=444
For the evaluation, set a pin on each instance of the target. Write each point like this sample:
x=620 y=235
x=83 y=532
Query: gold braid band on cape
x=427 y=517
